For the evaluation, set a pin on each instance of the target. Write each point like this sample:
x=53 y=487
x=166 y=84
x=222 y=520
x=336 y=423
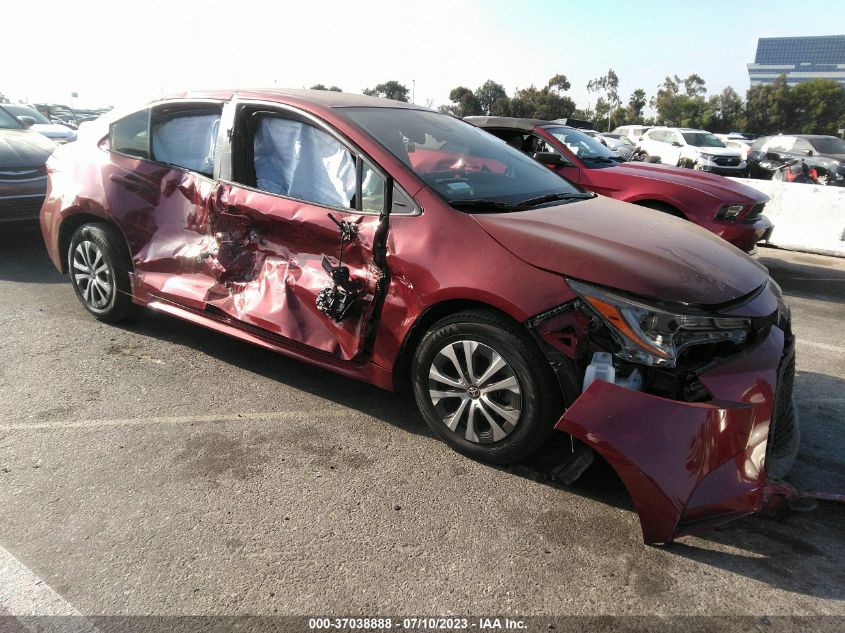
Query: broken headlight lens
x=654 y=336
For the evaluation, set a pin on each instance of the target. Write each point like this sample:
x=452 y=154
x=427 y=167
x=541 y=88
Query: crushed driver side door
x=300 y=225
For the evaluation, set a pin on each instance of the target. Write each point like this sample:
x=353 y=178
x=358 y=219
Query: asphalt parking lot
x=158 y=468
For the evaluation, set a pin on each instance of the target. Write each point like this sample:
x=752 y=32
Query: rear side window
x=130 y=135
x=186 y=137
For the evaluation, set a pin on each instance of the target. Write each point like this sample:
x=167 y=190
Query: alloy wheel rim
x=92 y=274
x=475 y=392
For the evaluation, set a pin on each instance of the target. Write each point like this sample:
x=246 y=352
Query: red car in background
x=408 y=249
x=729 y=209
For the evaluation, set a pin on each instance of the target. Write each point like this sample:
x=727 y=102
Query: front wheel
x=99 y=266
x=485 y=388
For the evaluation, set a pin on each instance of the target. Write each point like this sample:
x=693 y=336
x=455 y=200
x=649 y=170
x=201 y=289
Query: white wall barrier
x=809 y=218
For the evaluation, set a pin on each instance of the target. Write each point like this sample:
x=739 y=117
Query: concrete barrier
x=809 y=218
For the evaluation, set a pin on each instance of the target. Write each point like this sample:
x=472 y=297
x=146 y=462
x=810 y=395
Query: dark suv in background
x=23 y=175
x=825 y=154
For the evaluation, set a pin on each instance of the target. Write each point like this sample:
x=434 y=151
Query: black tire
x=541 y=402
x=783 y=448
x=116 y=304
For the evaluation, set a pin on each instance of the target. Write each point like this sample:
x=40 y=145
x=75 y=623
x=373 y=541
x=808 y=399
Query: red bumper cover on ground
x=687 y=466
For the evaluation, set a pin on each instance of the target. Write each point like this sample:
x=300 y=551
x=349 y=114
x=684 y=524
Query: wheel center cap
x=473 y=392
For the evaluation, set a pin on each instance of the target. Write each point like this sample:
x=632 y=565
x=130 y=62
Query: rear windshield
x=21 y=110
x=582 y=145
x=459 y=161
x=8 y=121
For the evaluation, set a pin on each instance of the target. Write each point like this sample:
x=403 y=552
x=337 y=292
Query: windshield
x=702 y=139
x=22 y=110
x=459 y=161
x=828 y=145
x=583 y=146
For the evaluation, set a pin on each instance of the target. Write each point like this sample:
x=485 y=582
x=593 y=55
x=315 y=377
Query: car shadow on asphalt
x=23 y=257
x=801 y=278
x=762 y=548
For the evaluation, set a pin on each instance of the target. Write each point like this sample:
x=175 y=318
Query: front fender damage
x=687 y=466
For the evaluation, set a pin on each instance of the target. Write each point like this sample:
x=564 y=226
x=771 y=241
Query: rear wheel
x=99 y=266
x=484 y=387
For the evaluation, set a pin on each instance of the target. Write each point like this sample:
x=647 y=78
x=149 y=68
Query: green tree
x=769 y=108
x=389 y=90
x=608 y=85
x=636 y=104
x=501 y=107
x=543 y=103
x=323 y=87
x=559 y=83
x=818 y=107
x=725 y=112
x=464 y=103
x=680 y=109
x=488 y=94
x=694 y=86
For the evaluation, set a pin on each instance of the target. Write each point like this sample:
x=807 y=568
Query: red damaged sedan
x=409 y=249
x=729 y=209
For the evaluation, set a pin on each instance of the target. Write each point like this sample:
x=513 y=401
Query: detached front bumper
x=689 y=466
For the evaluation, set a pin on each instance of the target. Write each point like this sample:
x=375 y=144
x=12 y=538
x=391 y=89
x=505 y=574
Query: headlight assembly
x=729 y=212
x=653 y=336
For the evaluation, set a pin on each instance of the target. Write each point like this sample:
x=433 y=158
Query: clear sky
x=119 y=53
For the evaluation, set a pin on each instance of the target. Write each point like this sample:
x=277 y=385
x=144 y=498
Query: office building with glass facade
x=799 y=58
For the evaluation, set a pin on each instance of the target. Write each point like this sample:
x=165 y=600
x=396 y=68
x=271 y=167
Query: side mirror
x=27 y=121
x=675 y=144
x=772 y=155
x=808 y=152
x=653 y=159
x=551 y=159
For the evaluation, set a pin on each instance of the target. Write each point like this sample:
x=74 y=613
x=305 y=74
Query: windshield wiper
x=479 y=203
x=553 y=197
x=599 y=159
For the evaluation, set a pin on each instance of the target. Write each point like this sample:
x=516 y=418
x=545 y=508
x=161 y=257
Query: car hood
x=52 y=130
x=839 y=157
x=629 y=248
x=715 y=151
x=724 y=188
x=24 y=148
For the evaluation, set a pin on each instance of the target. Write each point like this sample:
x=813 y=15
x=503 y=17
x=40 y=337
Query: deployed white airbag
x=187 y=141
x=298 y=160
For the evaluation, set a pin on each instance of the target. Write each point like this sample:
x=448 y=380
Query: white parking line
x=24 y=595
x=269 y=416
x=824 y=346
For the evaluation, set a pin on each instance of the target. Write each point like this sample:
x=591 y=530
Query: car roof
x=324 y=98
x=515 y=123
